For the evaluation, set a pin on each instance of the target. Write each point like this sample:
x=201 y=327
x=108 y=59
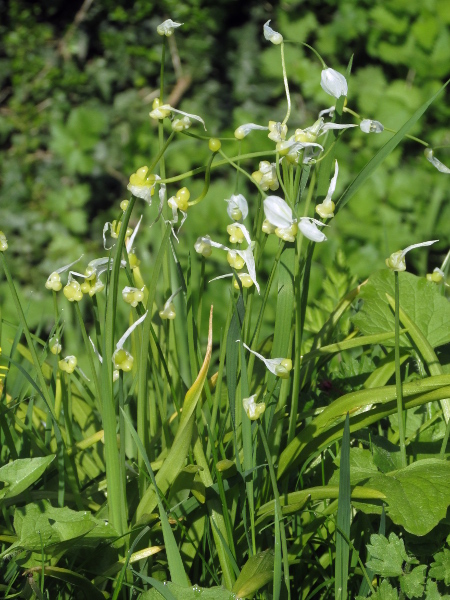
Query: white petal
x=327 y=111
x=96 y=352
x=249 y=259
x=271 y=35
x=403 y=252
x=333 y=83
x=310 y=230
x=167 y=27
x=141 y=191
x=237 y=201
x=244 y=230
x=333 y=181
x=429 y=155
x=176 y=292
x=278 y=212
x=245 y=129
x=129 y=244
x=129 y=331
x=197 y=118
x=221 y=277
x=368 y=126
x=271 y=363
x=62 y=269
x=329 y=126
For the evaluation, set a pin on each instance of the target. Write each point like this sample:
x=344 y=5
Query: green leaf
x=191 y=593
x=343 y=518
x=413 y=583
x=385 y=592
x=256 y=572
x=420 y=299
x=433 y=592
x=417 y=496
x=440 y=568
x=90 y=591
x=387 y=555
x=21 y=473
x=362 y=467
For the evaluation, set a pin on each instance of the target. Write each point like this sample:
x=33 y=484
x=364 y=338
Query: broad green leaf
x=385 y=592
x=177 y=455
x=420 y=299
x=362 y=467
x=387 y=555
x=433 y=592
x=40 y=525
x=191 y=593
x=21 y=473
x=256 y=572
x=413 y=583
x=417 y=496
x=440 y=568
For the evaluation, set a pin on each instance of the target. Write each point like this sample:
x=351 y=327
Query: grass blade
x=343 y=518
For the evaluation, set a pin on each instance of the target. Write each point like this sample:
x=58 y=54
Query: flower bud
x=168 y=312
x=369 y=126
x=55 y=345
x=252 y=409
x=181 y=124
x=203 y=246
x=333 y=83
x=167 y=27
x=237 y=208
x=436 y=276
x=271 y=35
x=132 y=296
x=284 y=368
x=214 y=145
x=246 y=281
x=53 y=282
x=234 y=260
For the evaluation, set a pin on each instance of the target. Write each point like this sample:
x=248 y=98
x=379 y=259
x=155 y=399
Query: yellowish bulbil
x=3 y=242
x=326 y=209
x=284 y=368
x=72 y=291
x=132 y=296
x=140 y=177
x=158 y=112
x=124 y=205
x=53 y=282
x=266 y=176
x=55 y=345
x=214 y=145
x=203 y=246
x=168 y=312
x=181 y=124
x=287 y=234
x=122 y=360
x=68 y=364
x=234 y=260
x=436 y=276
x=267 y=227
x=182 y=198
x=236 y=234
x=246 y=281
x=92 y=287
x=115 y=229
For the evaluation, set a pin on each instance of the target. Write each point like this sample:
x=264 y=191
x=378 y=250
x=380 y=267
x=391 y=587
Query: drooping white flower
x=121 y=358
x=333 y=83
x=279 y=214
x=142 y=185
x=167 y=27
x=237 y=208
x=203 y=246
x=253 y=409
x=54 y=280
x=244 y=130
x=271 y=35
x=396 y=262
x=163 y=111
x=368 y=126
x=266 y=176
x=168 y=312
x=429 y=155
x=277 y=131
x=326 y=208
x=280 y=367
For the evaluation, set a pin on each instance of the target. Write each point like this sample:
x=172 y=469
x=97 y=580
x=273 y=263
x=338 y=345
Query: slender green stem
x=398 y=381
x=286 y=86
x=89 y=352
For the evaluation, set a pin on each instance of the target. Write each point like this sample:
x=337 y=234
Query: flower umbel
x=396 y=261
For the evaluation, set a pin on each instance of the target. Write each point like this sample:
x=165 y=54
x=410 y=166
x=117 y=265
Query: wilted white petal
x=237 y=202
x=66 y=267
x=271 y=363
x=221 y=277
x=333 y=181
x=327 y=126
x=167 y=27
x=253 y=410
x=271 y=35
x=396 y=261
x=130 y=242
x=278 y=212
x=327 y=111
x=368 y=126
x=245 y=129
x=429 y=155
x=308 y=227
x=417 y=246
x=168 y=107
x=244 y=230
x=333 y=83
x=96 y=352
x=129 y=331
x=249 y=259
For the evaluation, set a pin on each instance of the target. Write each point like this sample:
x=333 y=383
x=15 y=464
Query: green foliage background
x=77 y=83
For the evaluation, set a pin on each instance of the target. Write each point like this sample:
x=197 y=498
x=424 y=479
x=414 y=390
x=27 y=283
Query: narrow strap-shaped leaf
x=343 y=518
x=379 y=157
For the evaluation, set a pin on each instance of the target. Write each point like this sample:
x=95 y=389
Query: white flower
x=333 y=83
x=271 y=35
x=237 y=208
x=167 y=27
x=168 y=312
x=277 y=131
x=429 y=155
x=203 y=246
x=254 y=410
x=181 y=124
x=310 y=134
x=396 y=262
x=245 y=129
x=279 y=214
x=369 y=126
x=161 y=112
x=326 y=209
x=278 y=366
